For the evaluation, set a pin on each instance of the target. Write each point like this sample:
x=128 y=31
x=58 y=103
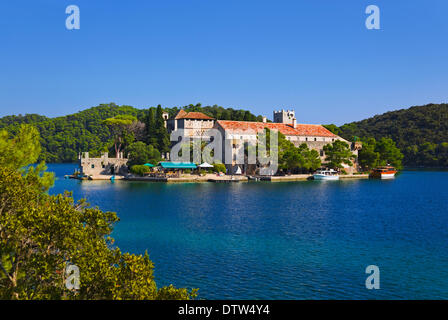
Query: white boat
x=326 y=175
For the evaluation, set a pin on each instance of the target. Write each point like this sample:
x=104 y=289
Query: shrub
x=140 y=170
x=219 y=167
x=140 y=153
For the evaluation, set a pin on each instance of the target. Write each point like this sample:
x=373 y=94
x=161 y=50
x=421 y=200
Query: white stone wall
x=103 y=165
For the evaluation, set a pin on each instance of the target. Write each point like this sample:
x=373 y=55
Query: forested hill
x=62 y=138
x=421 y=132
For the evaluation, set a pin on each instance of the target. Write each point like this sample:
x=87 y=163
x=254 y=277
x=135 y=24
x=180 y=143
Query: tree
x=138 y=129
x=338 y=153
x=151 y=128
x=389 y=153
x=292 y=159
x=62 y=138
x=16 y=153
x=410 y=129
x=40 y=234
x=333 y=128
x=140 y=170
x=219 y=167
x=120 y=127
x=368 y=158
x=19 y=151
x=289 y=157
x=442 y=153
x=311 y=157
x=140 y=153
x=163 y=139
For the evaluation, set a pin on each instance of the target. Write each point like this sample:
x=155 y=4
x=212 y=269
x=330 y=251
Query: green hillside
x=421 y=132
x=62 y=138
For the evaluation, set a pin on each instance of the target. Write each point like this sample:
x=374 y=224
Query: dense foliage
x=421 y=133
x=124 y=129
x=41 y=235
x=219 y=167
x=291 y=159
x=337 y=154
x=62 y=138
x=140 y=169
x=218 y=112
x=141 y=153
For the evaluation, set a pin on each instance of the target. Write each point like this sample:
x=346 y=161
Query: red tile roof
x=192 y=115
x=180 y=114
x=286 y=129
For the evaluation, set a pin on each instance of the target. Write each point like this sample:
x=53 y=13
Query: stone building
x=237 y=133
x=194 y=124
x=103 y=165
x=283 y=116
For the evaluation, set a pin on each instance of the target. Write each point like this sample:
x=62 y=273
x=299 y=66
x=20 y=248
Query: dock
x=214 y=178
x=305 y=177
x=223 y=180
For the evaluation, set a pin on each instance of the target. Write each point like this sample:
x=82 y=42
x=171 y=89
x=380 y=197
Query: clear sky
x=316 y=57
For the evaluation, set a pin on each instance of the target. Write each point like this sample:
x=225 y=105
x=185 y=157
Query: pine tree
x=163 y=139
x=338 y=153
x=151 y=128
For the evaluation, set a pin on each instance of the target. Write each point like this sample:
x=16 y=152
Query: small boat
x=326 y=175
x=386 y=172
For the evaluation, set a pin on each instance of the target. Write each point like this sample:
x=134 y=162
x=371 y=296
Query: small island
x=302 y=149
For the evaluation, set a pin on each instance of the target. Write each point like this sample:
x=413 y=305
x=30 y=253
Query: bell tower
x=283 y=116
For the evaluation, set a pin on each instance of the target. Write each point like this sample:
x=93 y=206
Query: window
x=321 y=153
x=315 y=139
x=93 y=166
x=306 y=139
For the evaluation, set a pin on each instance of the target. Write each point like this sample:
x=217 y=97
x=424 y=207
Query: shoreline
x=218 y=179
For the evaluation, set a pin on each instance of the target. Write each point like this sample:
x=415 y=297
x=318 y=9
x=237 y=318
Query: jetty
x=214 y=178
x=228 y=179
x=189 y=178
x=305 y=177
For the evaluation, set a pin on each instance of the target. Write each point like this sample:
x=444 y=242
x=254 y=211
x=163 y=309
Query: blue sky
x=316 y=57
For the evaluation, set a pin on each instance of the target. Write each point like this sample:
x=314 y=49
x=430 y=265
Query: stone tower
x=283 y=116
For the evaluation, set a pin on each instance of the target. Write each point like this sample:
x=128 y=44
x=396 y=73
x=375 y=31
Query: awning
x=149 y=165
x=178 y=165
x=205 y=165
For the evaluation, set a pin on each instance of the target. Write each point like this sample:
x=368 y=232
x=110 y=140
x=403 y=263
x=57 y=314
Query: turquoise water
x=295 y=240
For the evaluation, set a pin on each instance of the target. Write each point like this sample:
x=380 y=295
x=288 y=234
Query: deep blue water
x=294 y=240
